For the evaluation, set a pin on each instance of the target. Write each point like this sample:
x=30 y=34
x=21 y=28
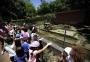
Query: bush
x=46 y=18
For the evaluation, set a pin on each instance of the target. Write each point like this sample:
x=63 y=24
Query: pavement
x=4 y=57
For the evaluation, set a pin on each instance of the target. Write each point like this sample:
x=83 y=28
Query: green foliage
x=20 y=6
x=16 y=9
x=21 y=21
x=55 y=6
x=44 y=8
x=76 y=4
x=30 y=9
x=12 y=9
x=46 y=18
x=6 y=8
x=49 y=17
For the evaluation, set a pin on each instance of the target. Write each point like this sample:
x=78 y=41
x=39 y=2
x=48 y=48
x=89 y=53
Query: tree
x=20 y=9
x=6 y=7
x=30 y=9
x=54 y=6
x=11 y=8
x=44 y=8
x=15 y=8
x=75 y=4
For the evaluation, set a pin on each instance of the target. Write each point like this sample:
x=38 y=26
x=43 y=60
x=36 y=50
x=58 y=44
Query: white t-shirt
x=9 y=49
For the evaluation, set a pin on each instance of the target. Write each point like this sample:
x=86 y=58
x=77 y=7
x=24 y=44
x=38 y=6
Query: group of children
x=23 y=46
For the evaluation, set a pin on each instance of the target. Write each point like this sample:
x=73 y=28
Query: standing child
x=20 y=56
x=9 y=48
x=25 y=45
x=34 y=51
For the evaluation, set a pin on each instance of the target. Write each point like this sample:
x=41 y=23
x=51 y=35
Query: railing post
x=65 y=27
x=64 y=37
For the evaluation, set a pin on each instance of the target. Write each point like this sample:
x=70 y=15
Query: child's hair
x=78 y=54
x=41 y=45
x=34 y=48
x=9 y=40
x=35 y=38
x=17 y=43
x=25 y=29
x=19 y=52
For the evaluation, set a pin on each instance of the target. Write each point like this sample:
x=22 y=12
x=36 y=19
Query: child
x=34 y=51
x=9 y=48
x=25 y=45
x=20 y=57
x=73 y=54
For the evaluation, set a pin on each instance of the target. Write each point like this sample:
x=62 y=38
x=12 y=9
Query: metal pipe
x=64 y=37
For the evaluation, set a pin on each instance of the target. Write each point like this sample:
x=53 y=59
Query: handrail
x=55 y=46
x=57 y=49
